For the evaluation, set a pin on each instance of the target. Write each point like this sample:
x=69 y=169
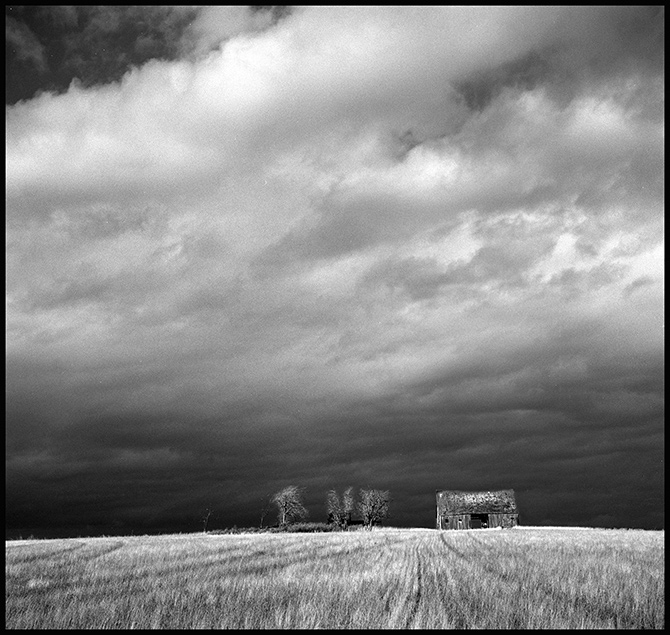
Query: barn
x=457 y=509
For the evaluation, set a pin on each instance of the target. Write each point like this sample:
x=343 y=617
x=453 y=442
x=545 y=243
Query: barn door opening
x=479 y=521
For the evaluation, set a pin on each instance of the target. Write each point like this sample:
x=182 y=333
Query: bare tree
x=340 y=509
x=334 y=508
x=289 y=504
x=374 y=506
x=205 y=519
x=348 y=504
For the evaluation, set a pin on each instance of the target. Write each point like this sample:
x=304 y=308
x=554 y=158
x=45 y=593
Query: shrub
x=312 y=527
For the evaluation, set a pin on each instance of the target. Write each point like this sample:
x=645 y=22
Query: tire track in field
x=453 y=549
x=260 y=562
x=417 y=589
x=482 y=563
x=45 y=571
x=102 y=550
x=42 y=553
x=458 y=612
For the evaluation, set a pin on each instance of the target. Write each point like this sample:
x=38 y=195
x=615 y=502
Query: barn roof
x=491 y=502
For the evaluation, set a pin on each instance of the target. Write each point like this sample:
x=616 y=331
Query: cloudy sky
x=408 y=248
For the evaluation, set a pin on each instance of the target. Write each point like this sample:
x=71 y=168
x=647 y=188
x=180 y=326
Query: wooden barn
x=457 y=509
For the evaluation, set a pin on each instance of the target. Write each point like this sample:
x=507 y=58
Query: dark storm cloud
x=531 y=448
x=90 y=44
x=110 y=40
x=99 y=44
x=24 y=44
x=412 y=249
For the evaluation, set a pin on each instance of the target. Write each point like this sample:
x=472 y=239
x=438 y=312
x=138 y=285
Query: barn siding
x=452 y=522
x=494 y=520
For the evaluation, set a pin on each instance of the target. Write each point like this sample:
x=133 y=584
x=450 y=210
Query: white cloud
x=216 y=25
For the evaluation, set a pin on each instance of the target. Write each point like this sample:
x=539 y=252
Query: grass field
x=388 y=578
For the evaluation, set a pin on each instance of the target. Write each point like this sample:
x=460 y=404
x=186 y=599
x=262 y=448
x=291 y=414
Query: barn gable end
x=458 y=509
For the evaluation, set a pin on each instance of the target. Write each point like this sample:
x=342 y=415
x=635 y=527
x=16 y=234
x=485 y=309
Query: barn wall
x=452 y=522
x=503 y=520
x=445 y=521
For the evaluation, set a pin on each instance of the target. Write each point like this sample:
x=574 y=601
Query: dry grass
x=389 y=578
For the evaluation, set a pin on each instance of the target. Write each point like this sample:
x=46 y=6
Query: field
x=531 y=578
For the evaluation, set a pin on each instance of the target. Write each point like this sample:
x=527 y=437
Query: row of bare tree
x=373 y=506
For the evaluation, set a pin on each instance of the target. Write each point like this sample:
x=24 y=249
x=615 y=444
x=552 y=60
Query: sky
x=397 y=247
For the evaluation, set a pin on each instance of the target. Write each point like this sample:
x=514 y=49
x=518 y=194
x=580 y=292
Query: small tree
x=334 y=507
x=340 y=510
x=289 y=504
x=205 y=519
x=348 y=505
x=374 y=506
